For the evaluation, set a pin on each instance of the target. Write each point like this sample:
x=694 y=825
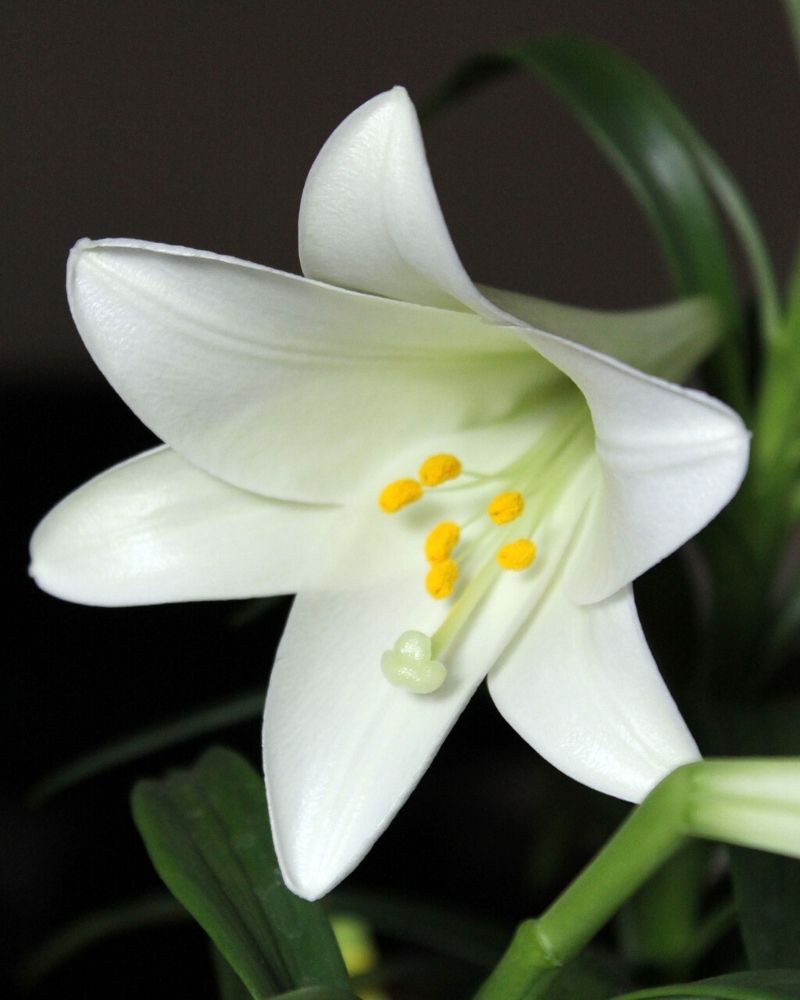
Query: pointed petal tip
x=308 y=873
x=306 y=885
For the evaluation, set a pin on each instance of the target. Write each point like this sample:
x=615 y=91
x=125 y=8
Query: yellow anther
x=441 y=579
x=441 y=541
x=399 y=494
x=517 y=555
x=506 y=507
x=438 y=469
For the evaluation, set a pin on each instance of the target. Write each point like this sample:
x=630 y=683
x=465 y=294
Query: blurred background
x=194 y=122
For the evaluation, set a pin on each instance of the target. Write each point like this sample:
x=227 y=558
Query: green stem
x=652 y=833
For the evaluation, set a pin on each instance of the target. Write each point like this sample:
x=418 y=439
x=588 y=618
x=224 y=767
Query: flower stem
x=652 y=833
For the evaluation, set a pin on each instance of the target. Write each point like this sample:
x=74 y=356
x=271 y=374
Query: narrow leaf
x=229 y=985
x=438 y=928
x=766 y=984
x=207 y=834
x=186 y=727
x=665 y=162
x=767 y=890
x=93 y=928
x=316 y=993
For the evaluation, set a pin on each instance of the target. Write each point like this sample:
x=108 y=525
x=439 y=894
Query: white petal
x=370 y=218
x=671 y=459
x=580 y=685
x=278 y=384
x=342 y=747
x=668 y=341
x=155 y=529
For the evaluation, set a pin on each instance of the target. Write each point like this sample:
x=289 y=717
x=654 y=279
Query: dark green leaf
x=766 y=886
x=229 y=985
x=438 y=928
x=766 y=984
x=659 y=155
x=207 y=834
x=186 y=727
x=592 y=976
x=767 y=891
x=316 y=993
x=92 y=928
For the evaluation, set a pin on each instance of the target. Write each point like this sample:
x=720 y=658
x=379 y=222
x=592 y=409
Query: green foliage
x=207 y=834
x=186 y=727
x=93 y=928
x=767 y=984
x=669 y=168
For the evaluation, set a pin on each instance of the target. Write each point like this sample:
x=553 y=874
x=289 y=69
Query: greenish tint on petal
x=342 y=747
x=668 y=341
x=671 y=459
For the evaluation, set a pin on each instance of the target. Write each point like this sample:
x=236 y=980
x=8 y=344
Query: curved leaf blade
x=766 y=984
x=179 y=730
x=207 y=834
x=665 y=163
x=90 y=929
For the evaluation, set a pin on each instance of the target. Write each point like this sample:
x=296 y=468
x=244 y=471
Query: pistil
x=532 y=484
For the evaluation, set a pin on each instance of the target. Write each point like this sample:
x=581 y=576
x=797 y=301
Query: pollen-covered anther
x=439 y=469
x=506 y=507
x=399 y=494
x=441 y=579
x=441 y=541
x=517 y=555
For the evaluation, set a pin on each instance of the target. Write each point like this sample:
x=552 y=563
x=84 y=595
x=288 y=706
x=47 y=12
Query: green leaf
x=767 y=889
x=93 y=928
x=766 y=886
x=594 y=975
x=793 y=13
x=207 y=833
x=664 y=161
x=766 y=984
x=179 y=730
x=437 y=928
x=229 y=985
x=316 y=993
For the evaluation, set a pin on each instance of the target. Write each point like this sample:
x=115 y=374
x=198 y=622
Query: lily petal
x=370 y=218
x=342 y=747
x=155 y=529
x=668 y=341
x=671 y=459
x=278 y=384
x=580 y=685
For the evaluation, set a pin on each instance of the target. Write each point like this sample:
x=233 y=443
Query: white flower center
x=464 y=559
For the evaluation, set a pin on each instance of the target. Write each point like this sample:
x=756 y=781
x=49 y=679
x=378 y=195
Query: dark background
x=195 y=123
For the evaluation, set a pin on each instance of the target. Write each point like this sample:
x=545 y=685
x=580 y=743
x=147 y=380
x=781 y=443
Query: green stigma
x=409 y=664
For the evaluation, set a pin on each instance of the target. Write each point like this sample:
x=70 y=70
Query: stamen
x=441 y=579
x=441 y=541
x=439 y=469
x=517 y=555
x=409 y=664
x=399 y=494
x=506 y=507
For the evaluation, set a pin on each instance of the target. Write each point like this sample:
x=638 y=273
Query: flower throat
x=497 y=538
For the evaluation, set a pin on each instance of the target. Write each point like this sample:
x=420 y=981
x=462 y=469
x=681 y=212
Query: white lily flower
x=288 y=404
